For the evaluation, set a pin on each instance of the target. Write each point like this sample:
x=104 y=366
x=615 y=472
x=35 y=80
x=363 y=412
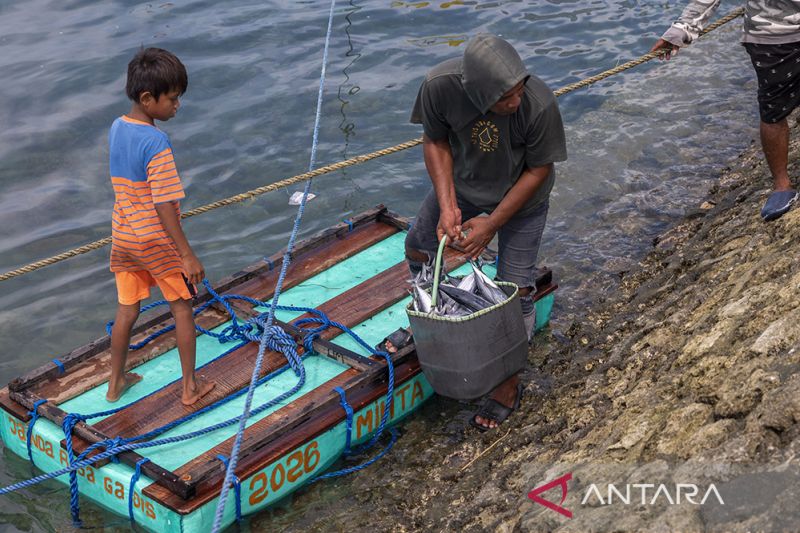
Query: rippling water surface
x=643 y=146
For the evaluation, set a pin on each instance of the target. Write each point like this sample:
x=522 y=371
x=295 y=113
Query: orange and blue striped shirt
x=143 y=174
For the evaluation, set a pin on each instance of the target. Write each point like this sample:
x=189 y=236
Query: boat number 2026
x=289 y=468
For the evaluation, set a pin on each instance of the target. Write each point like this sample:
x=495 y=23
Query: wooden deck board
x=233 y=371
x=13 y=408
x=95 y=371
x=303 y=249
x=230 y=373
x=248 y=465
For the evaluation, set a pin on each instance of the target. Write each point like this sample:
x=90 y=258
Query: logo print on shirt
x=486 y=135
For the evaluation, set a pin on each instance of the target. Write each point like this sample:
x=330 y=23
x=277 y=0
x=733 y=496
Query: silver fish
x=451 y=307
x=471 y=301
x=421 y=299
x=467 y=283
x=487 y=288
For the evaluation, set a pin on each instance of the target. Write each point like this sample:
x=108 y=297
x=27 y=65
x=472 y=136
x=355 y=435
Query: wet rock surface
x=686 y=371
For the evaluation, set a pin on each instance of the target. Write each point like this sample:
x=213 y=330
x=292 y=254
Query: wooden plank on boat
x=294 y=429
x=88 y=434
x=13 y=408
x=95 y=371
x=390 y=217
x=365 y=232
x=233 y=371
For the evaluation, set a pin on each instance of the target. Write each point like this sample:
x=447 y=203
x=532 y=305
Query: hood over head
x=489 y=69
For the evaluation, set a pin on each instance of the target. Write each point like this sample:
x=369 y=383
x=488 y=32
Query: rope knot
x=308 y=342
x=70 y=420
x=111 y=445
x=34 y=412
x=278 y=340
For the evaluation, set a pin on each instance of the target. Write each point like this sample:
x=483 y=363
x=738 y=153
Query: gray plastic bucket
x=466 y=357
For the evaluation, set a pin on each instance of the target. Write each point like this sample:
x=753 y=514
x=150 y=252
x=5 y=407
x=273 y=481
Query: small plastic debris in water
x=297 y=197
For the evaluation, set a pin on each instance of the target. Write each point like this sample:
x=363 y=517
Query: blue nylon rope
x=74 y=504
x=60 y=366
x=362 y=466
x=349 y=223
x=34 y=412
x=118 y=445
x=278 y=286
x=237 y=488
x=276 y=340
x=348 y=411
x=134 y=478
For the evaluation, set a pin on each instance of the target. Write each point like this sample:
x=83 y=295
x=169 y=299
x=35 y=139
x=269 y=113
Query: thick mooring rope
x=347 y=162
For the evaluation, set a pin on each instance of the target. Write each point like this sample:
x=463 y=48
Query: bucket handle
x=437 y=269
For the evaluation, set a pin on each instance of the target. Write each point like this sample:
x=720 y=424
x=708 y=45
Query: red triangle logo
x=560 y=482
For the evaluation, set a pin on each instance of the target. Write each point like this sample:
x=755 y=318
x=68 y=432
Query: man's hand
x=194 y=269
x=481 y=231
x=661 y=44
x=449 y=224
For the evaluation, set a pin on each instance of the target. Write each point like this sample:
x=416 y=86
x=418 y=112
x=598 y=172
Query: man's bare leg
x=775 y=143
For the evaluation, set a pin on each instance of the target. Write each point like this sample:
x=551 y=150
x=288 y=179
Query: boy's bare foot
x=201 y=388
x=116 y=390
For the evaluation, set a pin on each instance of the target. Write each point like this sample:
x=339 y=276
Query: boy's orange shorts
x=133 y=287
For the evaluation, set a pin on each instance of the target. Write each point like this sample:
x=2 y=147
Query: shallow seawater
x=644 y=146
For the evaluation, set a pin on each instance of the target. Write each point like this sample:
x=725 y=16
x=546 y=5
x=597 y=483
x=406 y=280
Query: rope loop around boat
x=237 y=488
x=134 y=478
x=34 y=414
x=242 y=197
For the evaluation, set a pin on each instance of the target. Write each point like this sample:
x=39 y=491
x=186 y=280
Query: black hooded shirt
x=490 y=151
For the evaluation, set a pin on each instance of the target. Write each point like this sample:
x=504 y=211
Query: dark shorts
x=778 y=71
x=517 y=241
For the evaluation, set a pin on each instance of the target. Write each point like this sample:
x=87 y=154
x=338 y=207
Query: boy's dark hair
x=157 y=71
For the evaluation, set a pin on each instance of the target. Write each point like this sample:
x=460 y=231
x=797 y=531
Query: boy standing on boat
x=772 y=39
x=148 y=245
x=491 y=135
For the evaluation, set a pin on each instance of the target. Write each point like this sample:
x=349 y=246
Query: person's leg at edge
x=775 y=143
x=518 y=245
x=120 y=381
x=776 y=68
x=194 y=387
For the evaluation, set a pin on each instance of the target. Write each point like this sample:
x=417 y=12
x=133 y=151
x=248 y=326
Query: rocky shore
x=684 y=371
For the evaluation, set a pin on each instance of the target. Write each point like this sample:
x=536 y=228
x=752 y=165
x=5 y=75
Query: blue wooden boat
x=354 y=273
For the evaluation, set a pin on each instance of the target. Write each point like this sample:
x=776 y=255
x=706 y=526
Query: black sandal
x=395 y=341
x=491 y=409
